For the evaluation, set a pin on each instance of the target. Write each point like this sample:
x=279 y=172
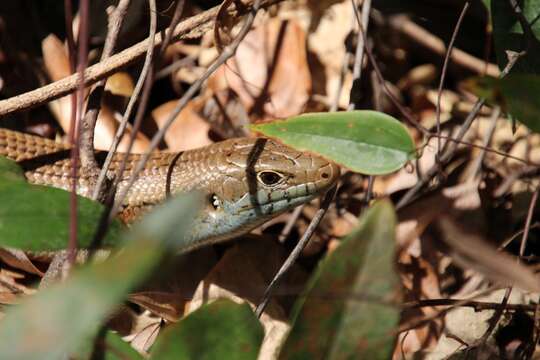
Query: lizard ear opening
x=215 y=201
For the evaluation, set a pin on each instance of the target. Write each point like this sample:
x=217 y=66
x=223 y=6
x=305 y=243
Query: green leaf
x=10 y=170
x=59 y=319
x=222 y=329
x=517 y=94
x=111 y=346
x=347 y=311
x=508 y=34
x=365 y=141
x=117 y=349
x=36 y=218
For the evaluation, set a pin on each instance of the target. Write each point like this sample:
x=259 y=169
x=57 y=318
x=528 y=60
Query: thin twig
x=452 y=304
x=293 y=256
x=290 y=223
x=494 y=320
x=359 y=55
x=528 y=221
x=476 y=305
x=127 y=114
x=477 y=166
x=174 y=22
x=443 y=75
x=493 y=151
x=88 y=160
x=448 y=154
x=82 y=60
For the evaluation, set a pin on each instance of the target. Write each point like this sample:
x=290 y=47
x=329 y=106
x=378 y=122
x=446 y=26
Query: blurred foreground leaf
x=36 y=217
x=517 y=94
x=59 y=319
x=222 y=329
x=347 y=312
x=364 y=141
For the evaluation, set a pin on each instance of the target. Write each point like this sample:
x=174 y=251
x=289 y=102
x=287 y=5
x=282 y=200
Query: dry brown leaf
x=145 y=334
x=56 y=62
x=18 y=259
x=11 y=290
x=328 y=44
x=272 y=81
x=425 y=74
x=120 y=84
x=188 y=131
x=163 y=304
x=57 y=65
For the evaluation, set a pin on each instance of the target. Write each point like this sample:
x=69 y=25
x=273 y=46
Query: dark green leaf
x=508 y=34
x=59 y=319
x=517 y=94
x=347 y=312
x=36 y=218
x=365 y=141
x=117 y=349
x=110 y=346
x=10 y=170
x=220 y=330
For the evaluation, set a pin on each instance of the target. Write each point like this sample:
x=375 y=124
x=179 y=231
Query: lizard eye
x=270 y=178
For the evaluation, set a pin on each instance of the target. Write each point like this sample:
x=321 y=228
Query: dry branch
x=192 y=27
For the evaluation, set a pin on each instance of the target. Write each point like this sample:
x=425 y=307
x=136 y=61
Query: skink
x=246 y=181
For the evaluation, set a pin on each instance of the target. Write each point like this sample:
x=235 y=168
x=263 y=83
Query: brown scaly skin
x=246 y=181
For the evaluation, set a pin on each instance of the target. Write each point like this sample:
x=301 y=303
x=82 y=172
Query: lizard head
x=248 y=181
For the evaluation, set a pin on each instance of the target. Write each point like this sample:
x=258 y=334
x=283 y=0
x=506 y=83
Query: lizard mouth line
x=290 y=198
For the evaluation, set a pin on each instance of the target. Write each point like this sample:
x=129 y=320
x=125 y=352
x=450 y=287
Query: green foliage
x=222 y=327
x=347 y=311
x=364 y=141
x=509 y=34
x=58 y=320
x=517 y=94
x=36 y=218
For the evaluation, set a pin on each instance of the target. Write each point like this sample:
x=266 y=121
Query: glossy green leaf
x=508 y=34
x=59 y=319
x=220 y=330
x=365 y=141
x=517 y=94
x=36 y=218
x=347 y=312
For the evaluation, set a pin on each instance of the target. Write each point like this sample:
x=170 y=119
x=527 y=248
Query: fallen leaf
x=188 y=131
x=269 y=72
x=56 y=62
